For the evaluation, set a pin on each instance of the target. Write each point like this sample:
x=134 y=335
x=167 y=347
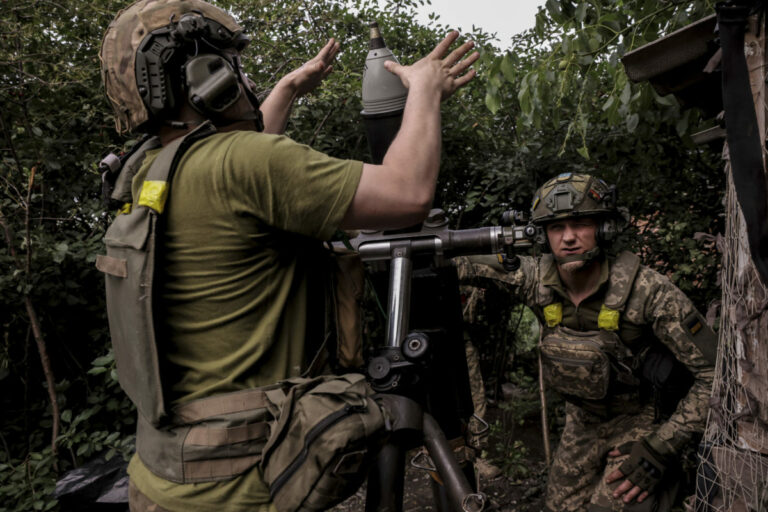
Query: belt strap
x=218 y=405
x=212 y=436
x=218 y=469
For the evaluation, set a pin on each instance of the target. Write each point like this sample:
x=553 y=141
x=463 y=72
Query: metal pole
x=544 y=418
x=459 y=490
x=399 y=294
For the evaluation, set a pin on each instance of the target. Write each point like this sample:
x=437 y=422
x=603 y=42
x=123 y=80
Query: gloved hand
x=649 y=459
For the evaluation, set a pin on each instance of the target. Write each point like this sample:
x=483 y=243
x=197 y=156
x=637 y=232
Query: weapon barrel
x=474 y=241
x=449 y=243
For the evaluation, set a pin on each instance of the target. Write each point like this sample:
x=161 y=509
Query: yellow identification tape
x=553 y=314
x=153 y=195
x=608 y=319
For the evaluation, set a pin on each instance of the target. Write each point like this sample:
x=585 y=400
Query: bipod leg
x=386 y=479
x=463 y=498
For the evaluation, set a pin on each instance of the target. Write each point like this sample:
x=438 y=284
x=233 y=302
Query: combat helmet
x=571 y=195
x=157 y=54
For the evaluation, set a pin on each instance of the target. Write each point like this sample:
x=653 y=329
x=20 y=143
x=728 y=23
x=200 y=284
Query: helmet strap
x=586 y=257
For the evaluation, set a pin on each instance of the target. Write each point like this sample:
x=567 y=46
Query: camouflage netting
x=733 y=475
x=734 y=472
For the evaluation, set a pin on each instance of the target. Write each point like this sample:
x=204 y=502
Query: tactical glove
x=648 y=461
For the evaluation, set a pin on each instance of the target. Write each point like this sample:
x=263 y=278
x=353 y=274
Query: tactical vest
x=590 y=365
x=184 y=444
x=219 y=437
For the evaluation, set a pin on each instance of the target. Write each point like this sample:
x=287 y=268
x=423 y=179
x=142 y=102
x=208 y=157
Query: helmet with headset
x=572 y=195
x=158 y=54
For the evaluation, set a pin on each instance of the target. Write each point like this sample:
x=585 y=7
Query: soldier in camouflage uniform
x=616 y=335
x=472 y=297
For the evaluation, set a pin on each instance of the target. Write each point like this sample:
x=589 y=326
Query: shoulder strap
x=544 y=295
x=154 y=190
x=623 y=273
x=122 y=186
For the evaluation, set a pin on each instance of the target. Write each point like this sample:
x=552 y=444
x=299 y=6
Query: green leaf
x=103 y=360
x=66 y=416
x=609 y=103
x=584 y=152
x=97 y=370
x=626 y=94
x=508 y=68
x=632 y=121
x=553 y=7
x=581 y=12
x=666 y=100
x=493 y=101
x=566 y=45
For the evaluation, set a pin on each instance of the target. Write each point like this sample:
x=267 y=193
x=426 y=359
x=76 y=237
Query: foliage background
x=557 y=101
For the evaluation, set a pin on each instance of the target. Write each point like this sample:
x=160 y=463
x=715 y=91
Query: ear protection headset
x=611 y=220
x=197 y=60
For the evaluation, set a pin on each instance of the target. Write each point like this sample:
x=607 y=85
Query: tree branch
x=37 y=331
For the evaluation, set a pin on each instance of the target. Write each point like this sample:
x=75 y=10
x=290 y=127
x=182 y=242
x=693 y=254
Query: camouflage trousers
x=581 y=463
x=477 y=388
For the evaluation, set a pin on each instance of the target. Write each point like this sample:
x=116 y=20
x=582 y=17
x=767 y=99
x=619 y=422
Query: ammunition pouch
x=313 y=439
x=585 y=364
x=325 y=435
x=668 y=378
x=347 y=291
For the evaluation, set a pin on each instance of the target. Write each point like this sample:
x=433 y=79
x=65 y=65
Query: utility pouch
x=348 y=290
x=669 y=378
x=326 y=433
x=577 y=363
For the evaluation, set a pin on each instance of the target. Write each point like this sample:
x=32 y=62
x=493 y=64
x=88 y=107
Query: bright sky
x=505 y=17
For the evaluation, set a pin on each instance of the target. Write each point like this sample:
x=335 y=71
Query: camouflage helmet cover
x=122 y=40
x=572 y=195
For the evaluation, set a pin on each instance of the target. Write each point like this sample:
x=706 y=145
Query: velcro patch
x=701 y=335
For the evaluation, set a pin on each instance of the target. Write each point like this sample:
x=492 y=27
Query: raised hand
x=442 y=74
x=307 y=77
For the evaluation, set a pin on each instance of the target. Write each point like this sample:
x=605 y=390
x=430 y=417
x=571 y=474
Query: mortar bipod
x=389 y=370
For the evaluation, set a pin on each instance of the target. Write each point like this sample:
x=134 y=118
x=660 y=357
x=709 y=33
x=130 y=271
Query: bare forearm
x=276 y=108
x=413 y=159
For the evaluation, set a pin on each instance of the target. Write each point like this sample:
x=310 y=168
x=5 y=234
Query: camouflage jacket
x=654 y=308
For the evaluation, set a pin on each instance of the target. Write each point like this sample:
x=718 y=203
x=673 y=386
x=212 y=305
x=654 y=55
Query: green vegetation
x=557 y=101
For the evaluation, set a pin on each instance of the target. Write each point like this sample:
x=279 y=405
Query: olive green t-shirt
x=242 y=224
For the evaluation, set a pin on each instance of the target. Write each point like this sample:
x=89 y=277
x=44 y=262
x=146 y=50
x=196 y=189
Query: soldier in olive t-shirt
x=245 y=215
x=246 y=211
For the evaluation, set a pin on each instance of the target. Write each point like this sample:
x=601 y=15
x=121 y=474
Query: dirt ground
x=520 y=486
